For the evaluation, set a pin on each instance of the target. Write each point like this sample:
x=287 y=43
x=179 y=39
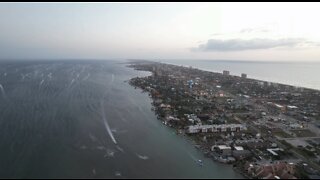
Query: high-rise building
x=243 y=75
x=225 y=72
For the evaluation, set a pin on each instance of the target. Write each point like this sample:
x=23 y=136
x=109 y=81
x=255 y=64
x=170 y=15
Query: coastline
x=199 y=147
x=234 y=64
x=157 y=108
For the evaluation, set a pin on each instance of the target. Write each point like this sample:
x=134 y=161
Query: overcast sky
x=244 y=31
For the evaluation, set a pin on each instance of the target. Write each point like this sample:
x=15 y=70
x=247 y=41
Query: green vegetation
x=306 y=153
x=303 y=133
x=300 y=173
x=284 y=142
x=282 y=134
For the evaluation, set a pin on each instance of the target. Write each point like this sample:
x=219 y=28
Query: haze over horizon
x=219 y=31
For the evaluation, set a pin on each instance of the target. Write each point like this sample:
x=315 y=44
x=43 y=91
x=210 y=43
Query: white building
x=216 y=128
x=238 y=148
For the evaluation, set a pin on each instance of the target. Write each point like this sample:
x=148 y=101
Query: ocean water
x=302 y=74
x=81 y=119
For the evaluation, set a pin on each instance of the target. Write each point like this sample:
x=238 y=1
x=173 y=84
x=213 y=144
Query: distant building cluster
x=227 y=73
x=267 y=130
x=216 y=128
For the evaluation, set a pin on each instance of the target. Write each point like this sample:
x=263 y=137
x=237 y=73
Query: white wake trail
x=2 y=91
x=42 y=81
x=120 y=149
x=87 y=77
x=49 y=75
x=71 y=82
x=107 y=125
x=192 y=157
x=142 y=157
x=112 y=77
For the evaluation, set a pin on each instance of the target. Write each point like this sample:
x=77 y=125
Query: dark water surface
x=80 y=119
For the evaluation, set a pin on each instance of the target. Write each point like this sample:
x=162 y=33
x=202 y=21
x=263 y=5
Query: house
x=222 y=149
x=277 y=170
x=239 y=152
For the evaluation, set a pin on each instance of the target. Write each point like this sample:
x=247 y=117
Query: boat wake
x=142 y=157
x=107 y=125
x=109 y=153
x=119 y=148
x=3 y=92
x=42 y=81
x=198 y=161
x=112 y=78
x=87 y=77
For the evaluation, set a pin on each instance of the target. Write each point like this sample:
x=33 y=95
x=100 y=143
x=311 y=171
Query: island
x=263 y=129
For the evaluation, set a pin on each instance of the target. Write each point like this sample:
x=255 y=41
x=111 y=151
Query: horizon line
x=160 y=59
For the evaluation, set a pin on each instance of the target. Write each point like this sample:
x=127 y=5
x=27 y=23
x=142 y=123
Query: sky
x=231 y=31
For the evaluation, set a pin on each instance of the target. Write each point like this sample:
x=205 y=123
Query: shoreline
x=189 y=139
x=217 y=72
x=167 y=101
x=253 y=78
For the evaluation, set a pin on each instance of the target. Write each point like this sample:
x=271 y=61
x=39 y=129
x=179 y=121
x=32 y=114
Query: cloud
x=216 y=34
x=251 y=44
x=255 y=30
x=249 y=30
